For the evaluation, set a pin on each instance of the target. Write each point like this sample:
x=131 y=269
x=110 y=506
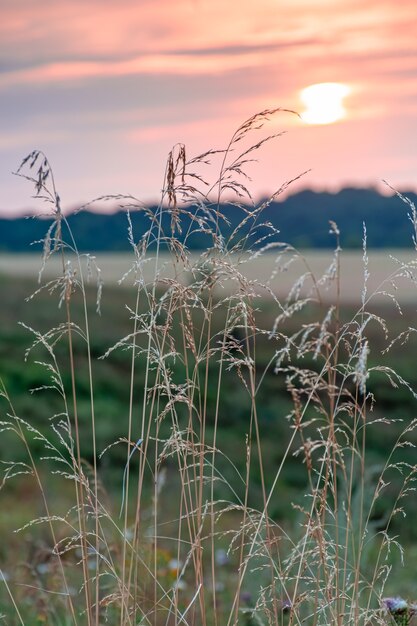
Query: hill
x=302 y=219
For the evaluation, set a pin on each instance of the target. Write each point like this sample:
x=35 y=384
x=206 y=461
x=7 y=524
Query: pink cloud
x=191 y=70
x=150 y=64
x=79 y=40
x=131 y=27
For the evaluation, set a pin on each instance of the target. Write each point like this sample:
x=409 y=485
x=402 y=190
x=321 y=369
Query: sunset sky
x=106 y=88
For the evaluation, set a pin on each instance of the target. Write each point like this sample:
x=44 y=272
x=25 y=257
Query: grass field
x=382 y=264
x=111 y=380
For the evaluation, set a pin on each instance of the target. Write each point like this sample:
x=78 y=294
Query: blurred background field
x=18 y=280
x=381 y=264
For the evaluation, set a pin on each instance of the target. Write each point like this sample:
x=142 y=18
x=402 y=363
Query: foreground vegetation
x=204 y=452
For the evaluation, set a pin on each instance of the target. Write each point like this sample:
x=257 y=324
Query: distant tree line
x=302 y=219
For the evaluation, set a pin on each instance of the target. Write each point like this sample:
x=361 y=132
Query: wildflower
x=400 y=610
x=174 y=567
x=221 y=557
x=246 y=597
x=180 y=584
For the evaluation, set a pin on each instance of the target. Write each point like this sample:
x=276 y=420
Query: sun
x=324 y=103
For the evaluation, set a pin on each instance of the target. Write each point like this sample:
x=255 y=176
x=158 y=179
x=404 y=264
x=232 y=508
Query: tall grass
x=192 y=537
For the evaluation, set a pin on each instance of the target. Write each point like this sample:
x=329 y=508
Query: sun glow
x=324 y=103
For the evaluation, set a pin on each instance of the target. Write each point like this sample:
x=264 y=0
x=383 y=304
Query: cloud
x=151 y=64
x=74 y=41
x=27 y=139
x=117 y=75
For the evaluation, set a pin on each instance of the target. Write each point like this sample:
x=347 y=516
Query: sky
x=106 y=88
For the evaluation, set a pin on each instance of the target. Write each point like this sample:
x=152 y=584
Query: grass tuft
x=201 y=528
